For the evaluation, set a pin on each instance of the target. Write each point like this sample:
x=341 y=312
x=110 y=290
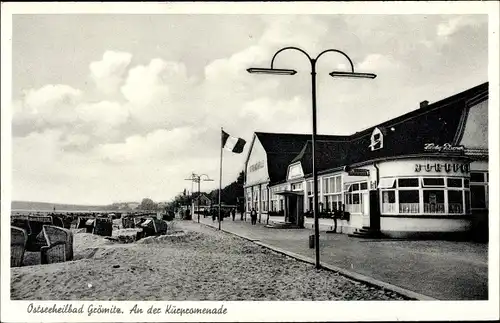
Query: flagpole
x=220 y=177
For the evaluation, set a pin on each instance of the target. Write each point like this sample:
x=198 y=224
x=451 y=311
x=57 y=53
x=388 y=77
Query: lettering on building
x=448 y=167
x=359 y=172
x=443 y=148
x=258 y=165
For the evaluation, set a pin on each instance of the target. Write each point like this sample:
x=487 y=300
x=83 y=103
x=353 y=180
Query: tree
x=232 y=194
x=148 y=205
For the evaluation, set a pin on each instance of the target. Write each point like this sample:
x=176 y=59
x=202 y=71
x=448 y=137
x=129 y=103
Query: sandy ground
x=196 y=264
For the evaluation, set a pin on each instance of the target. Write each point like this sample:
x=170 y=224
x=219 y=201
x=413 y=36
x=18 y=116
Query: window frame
x=466 y=205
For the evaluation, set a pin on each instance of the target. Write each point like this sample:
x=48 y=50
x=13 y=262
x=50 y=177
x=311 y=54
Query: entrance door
x=374 y=210
x=300 y=211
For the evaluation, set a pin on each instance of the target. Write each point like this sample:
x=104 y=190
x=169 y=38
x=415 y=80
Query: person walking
x=253 y=216
x=233 y=213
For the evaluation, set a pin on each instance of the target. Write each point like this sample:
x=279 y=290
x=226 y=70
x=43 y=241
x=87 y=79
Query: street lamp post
x=313 y=61
x=195 y=178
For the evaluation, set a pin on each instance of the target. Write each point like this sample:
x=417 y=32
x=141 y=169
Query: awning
x=290 y=193
x=386 y=183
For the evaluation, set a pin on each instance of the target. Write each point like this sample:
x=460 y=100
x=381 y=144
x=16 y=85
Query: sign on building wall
x=254 y=167
x=446 y=167
x=359 y=172
x=446 y=148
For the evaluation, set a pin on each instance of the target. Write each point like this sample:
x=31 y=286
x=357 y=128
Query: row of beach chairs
x=102 y=226
x=57 y=245
x=150 y=225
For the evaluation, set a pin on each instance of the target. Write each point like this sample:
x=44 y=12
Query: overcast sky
x=114 y=108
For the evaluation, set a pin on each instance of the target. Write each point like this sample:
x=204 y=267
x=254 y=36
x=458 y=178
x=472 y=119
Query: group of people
x=232 y=212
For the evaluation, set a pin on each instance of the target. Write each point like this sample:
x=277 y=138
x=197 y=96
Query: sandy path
x=203 y=265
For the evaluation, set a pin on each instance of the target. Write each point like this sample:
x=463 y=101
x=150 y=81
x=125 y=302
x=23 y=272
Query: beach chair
x=160 y=226
x=35 y=238
x=57 y=221
x=138 y=221
x=20 y=221
x=83 y=220
x=103 y=227
x=148 y=228
x=89 y=225
x=128 y=222
x=18 y=240
x=59 y=244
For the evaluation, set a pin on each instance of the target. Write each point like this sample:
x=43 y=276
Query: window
x=338 y=184
x=388 y=201
x=479 y=190
x=264 y=199
x=326 y=185
x=434 y=201
x=478 y=196
x=409 y=201
x=353 y=196
x=454 y=182
x=443 y=195
x=387 y=183
x=433 y=182
x=256 y=199
x=477 y=177
x=332 y=193
x=377 y=140
x=408 y=182
x=455 y=202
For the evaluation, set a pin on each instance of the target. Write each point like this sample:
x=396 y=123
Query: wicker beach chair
x=160 y=226
x=20 y=221
x=81 y=222
x=57 y=221
x=103 y=227
x=148 y=228
x=128 y=222
x=35 y=238
x=54 y=236
x=18 y=240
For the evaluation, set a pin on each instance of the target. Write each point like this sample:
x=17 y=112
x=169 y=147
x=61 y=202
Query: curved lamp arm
x=340 y=52
x=207 y=177
x=311 y=60
x=290 y=47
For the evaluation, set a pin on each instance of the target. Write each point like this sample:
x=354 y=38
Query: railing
x=434 y=208
x=455 y=208
x=409 y=208
x=413 y=208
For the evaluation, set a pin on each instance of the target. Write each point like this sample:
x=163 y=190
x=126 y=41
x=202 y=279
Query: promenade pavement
x=443 y=270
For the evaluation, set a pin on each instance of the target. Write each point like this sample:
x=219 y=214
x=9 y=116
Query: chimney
x=423 y=104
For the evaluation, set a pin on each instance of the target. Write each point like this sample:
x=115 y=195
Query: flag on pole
x=233 y=144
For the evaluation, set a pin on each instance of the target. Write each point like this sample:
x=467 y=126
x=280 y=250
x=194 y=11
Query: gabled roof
x=282 y=148
x=329 y=153
x=407 y=134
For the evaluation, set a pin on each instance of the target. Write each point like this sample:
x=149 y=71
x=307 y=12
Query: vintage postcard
x=249 y=161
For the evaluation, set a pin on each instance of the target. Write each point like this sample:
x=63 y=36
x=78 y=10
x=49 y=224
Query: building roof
x=438 y=123
x=282 y=148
